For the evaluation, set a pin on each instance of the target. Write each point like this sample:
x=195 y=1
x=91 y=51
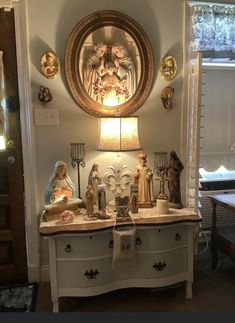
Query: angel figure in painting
x=174 y=169
x=125 y=67
x=93 y=68
x=143 y=177
x=60 y=186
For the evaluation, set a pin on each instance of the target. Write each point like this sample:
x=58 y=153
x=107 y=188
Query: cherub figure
x=44 y=95
x=166 y=96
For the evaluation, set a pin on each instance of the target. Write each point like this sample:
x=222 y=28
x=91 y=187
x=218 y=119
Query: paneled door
x=13 y=255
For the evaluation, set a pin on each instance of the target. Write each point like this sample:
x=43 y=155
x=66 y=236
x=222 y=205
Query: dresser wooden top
x=145 y=217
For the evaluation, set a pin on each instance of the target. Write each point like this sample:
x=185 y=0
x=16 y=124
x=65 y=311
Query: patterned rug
x=18 y=297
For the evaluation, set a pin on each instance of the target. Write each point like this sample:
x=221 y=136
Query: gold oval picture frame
x=168 y=68
x=109 y=64
x=49 y=64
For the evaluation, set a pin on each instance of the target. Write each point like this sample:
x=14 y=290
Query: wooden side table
x=222 y=239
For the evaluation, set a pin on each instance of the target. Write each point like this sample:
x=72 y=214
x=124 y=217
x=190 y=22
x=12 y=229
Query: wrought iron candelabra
x=77 y=154
x=160 y=169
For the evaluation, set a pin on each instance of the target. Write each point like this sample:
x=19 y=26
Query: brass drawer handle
x=91 y=274
x=177 y=237
x=68 y=248
x=138 y=241
x=160 y=266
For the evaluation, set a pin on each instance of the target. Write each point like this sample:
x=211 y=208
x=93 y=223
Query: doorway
x=210 y=103
x=13 y=254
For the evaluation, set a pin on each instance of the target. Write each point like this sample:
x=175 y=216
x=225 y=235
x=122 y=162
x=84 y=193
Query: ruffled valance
x=213 y=28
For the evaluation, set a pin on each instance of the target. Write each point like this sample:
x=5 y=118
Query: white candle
x=162 y=206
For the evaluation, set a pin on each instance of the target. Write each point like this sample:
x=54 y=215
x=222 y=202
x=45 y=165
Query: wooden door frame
x=27 y=138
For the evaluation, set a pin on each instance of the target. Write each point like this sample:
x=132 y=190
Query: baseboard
x=45 y=273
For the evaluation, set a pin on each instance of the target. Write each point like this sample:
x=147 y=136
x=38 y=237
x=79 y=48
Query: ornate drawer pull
x=138 y=241
x=160 y=266
x=91 y=274
x=68 y=248
x=111 y=244
x=177 y=237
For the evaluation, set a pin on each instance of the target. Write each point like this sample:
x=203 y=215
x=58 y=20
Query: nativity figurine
x=60 y=186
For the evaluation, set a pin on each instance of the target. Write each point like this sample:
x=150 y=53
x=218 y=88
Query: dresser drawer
x=73 y=274
x=84 y=246
x=161 y=238
x=162 y=264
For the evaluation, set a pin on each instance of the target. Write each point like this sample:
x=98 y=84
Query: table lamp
x=118 y=134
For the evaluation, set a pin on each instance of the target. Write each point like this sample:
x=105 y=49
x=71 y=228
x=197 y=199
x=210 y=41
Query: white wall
x=50 y=24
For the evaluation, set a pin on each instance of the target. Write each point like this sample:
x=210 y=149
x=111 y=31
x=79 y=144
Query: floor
x=213 y=291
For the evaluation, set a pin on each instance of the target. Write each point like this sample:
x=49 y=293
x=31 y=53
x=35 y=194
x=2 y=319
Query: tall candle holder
x=160 y=169
x=160 y=165
x=77 y=154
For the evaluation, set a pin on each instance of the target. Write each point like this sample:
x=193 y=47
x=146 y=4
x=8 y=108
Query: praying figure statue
x=174 y=169
x=143 y=177
x=94 y=180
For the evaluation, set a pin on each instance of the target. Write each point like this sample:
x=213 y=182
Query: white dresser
x=81 y=254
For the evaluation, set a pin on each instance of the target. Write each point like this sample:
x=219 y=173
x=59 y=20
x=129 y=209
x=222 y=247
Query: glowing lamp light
x=111 y=101
x=118 y=134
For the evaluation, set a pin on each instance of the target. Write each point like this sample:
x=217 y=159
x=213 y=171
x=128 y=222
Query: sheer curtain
x=213 y=28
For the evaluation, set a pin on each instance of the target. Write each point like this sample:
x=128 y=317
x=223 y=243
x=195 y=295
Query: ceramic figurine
x=101 y=197
x=60 y=185
x=44 y=95
x=134 y=198
x=89 y=201
x=143 y=177
x=67 y=216
x=174 y=169
x=166 y=96
x=94 y=180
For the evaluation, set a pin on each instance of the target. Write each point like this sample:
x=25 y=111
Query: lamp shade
x=118 y=134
